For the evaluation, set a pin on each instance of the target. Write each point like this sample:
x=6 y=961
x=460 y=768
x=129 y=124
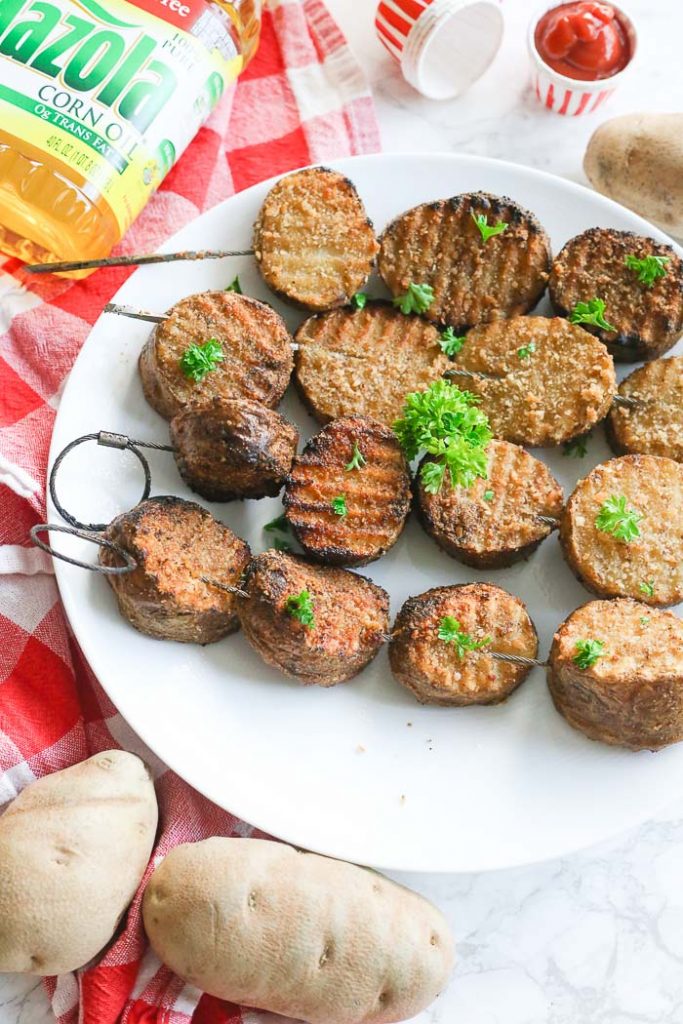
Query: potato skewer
x=135 y=261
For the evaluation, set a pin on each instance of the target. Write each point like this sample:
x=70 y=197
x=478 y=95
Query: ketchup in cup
x=583 y=40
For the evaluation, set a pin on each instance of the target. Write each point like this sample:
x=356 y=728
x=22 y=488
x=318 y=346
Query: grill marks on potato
x=233 y=448
x=430 y=667
x=377 y=495
x=364 y=362
x=351 y=618
x=474 y=281
x=633 y=695
x=175 y=544
x=648 y=320
x=495 y=522
x=615 y=568
x=314 y=243
x=559 y=390
x=256 y=346
x=655 y=425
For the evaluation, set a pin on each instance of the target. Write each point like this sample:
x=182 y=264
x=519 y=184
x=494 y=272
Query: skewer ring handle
x=108 y=440
x=130 y=563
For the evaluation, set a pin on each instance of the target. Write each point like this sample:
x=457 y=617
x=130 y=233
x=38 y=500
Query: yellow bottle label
x=114 y=89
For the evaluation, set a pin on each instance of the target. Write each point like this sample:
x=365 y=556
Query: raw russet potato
x=637 y=159
x=73 y=849
x=259 y=923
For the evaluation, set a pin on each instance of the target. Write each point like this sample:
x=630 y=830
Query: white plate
x=361 y=771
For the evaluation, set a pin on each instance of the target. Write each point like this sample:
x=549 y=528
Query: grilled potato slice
x=350 y=617
x=431 y=668
x=313 y=241
x=346 y=514
x=648 y=320
x=541 y=381
x=364 y=362
x=648 y=568
x=177 y=546
x=654 y=426
x=474 y=281
x=632 y=696
x=495 y=522
x=256 y=347
x=233 y=448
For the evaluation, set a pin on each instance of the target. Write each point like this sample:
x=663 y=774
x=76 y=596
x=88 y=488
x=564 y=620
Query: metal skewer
x=133 y=261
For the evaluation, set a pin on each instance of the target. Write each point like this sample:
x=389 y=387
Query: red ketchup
x=583 y=40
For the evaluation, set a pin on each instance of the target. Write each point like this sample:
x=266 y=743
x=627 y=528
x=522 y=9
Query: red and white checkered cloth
x=302 y=100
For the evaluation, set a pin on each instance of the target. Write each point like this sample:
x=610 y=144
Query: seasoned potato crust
x=474 y=281
x=233 y=448
x=649 y=320
x=364 y=362
x=376 y=494
x=494 y=522
x=633 y=695
x=256 y=346
x=351 y=618
x=175 y=543
x=611 y=567
x=313 y=241
x=431 y=668
x=549 y=381
x=655 y=425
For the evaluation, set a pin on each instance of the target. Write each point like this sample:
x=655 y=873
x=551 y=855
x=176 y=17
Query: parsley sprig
x=443 y=421
x=450 y=342
x=279 y=525
x=592 y=312
x=485 y=229
x=647 y=587
x=649 y=269
x=360 y=300
x=235 y=286
x=451 y=632
x=339 y=506
x=358 y=460
x=198 y=360
x=300 y=607
x=588 y=652
x=617 y=518
x=526 y=350
x=416 y=299
x=577 y=448
x=488 y=495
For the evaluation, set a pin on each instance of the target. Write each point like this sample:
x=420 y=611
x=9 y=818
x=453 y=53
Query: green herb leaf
x=281 y=545
x=358 y=460
x=235 y=286
x=279 y=525
x=450 y=342
x=198 y=360
x=417 y=299
x=488 y=230
x=647 y=588
x=649 y=269
x=617 y=518
x=339 y=505
x=577 y=448
x=644 y=621
x=526 y=350
x=300 y=606
x=443 y=421
x=592 y=312
x=588 y=652
x=488 y=495
x=360 y=300
x=451 y=632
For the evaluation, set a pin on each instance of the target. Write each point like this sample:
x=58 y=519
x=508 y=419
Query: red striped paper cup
x=572 y=97
x=443 y=46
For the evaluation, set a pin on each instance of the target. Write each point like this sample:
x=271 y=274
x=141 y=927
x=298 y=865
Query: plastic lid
x=451 y=45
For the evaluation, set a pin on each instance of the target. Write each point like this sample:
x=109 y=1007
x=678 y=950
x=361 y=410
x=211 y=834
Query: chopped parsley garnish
x=300 y=607
x=644 y=621
x=358 y=460
x=443 y=421
x=339 y=505
x=488 y=230
x=488 y=495
x=649 y=269
x=360 y=300
x=235 y=286
x=588 y=652
x=417 y=299
x=451 y=632
x=647 y=588
x=617 y=518
x=282 y=545
x=198 y=360
x=577 y=448
x=279 y=525
x=592 y=312
x=526 y=350
x=450 y=342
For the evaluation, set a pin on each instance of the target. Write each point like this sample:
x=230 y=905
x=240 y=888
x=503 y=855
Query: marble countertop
x=596 y=938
